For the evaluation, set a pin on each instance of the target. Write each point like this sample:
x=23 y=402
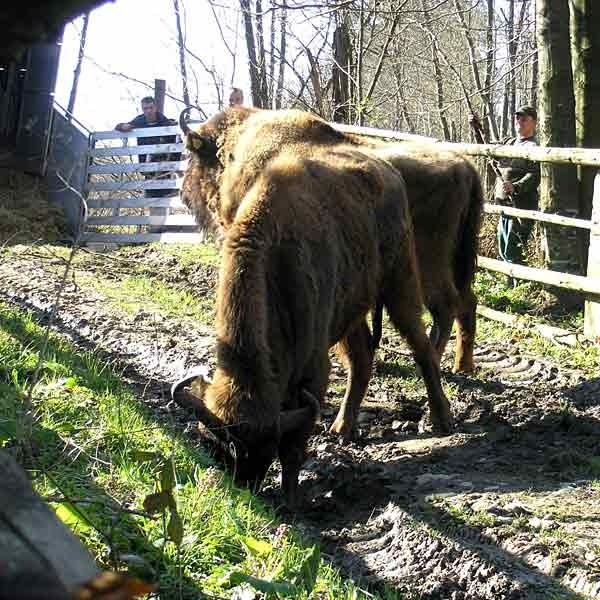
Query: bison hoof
x=440 y=424
x=342 y=428
x=465 y=368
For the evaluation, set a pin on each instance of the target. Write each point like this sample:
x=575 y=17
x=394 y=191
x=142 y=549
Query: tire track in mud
x=426 y=515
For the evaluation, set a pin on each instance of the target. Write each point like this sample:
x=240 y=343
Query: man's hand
x=508 y=187
x=124 y=127
x=474 y=120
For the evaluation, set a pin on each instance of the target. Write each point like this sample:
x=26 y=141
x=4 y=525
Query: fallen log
x=555 y=334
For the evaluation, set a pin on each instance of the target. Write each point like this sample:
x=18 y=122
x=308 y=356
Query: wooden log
x=568 y=156
x=388 y=134
x=591 y=326
x=38 y=552
x=565 y=281
x=542 y=217
x=555 y=334
x=113 y=168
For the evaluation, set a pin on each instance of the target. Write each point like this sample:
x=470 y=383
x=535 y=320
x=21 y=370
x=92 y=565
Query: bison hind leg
x=356 y=352
x=465 y=337
x=403 y=301
x=443 y=309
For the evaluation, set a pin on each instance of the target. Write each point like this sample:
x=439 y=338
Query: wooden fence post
x=591 y=328
x=160 y=86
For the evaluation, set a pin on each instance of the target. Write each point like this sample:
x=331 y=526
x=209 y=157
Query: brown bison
x=445 y=198
x=316 y=230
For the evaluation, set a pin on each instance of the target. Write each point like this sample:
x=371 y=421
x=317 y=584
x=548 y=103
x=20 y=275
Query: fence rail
x=590 y=157
x=589 y=285
x=108 y=169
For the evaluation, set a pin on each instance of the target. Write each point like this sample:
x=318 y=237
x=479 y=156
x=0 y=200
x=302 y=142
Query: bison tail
x=377 y=324
x=465 y=256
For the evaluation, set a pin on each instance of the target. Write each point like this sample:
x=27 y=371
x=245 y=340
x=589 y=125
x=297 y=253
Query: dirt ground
x=508 y=506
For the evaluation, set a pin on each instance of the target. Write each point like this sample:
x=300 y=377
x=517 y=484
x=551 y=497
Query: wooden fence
x=129 y=201
x=122 y=198
x=589 y=285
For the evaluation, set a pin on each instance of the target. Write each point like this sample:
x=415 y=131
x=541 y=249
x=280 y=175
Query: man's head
x=236 y=98
x=526 y=119
x=149 y=108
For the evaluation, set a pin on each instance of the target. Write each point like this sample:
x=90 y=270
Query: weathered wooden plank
x=133 y=202
x=108 y=169
x=591 y=327
x=135 y=133
x=555 y=334
x=135 y=150
x=571 y=156
x=143 y=238
x=566 y=281
x=539 y=216
x=141 y=184
x=174 y=220
x=35 y=544
x=387 y=134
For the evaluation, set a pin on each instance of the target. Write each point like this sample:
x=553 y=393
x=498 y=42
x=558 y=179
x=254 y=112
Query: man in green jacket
x=517 y=186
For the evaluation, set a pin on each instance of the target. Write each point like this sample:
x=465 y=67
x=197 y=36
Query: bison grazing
x=445 y=199
x=316 y=230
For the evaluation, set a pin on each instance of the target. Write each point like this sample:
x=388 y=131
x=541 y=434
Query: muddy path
x=506 y=507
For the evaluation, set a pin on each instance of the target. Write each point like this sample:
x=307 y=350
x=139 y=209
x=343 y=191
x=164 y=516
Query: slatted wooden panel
x=120 y=189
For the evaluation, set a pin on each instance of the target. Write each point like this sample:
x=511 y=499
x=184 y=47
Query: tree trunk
x=282 y=48
x=255 y=88
x=558 y=190
x=358 y=105
x=437 y=73
x=490 y=53
x=585 y=48
x=484 y=93
x=511 y=82
x=181 y=44
x=77 y=72
x=261 y=56
x=271 y=78
x=342 y=57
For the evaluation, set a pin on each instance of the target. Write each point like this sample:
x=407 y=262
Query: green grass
x=527 y=297
x=99 y=451
x=135 y=293
x=190 y=254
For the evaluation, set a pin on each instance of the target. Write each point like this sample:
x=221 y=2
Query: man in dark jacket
x=517 y=186
x=151 y=117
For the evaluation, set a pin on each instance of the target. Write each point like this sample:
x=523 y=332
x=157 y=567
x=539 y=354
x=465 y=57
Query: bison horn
x=182 y=122
x=290 y=420
x=189 y=391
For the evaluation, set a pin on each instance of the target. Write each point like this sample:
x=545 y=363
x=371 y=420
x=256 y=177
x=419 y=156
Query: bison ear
x=202 y=145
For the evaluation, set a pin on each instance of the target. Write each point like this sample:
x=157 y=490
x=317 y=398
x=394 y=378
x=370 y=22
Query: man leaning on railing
x=151 y=117
x=517 y=180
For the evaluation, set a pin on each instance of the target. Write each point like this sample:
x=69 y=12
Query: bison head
x=246 y=448
x=210 y=148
